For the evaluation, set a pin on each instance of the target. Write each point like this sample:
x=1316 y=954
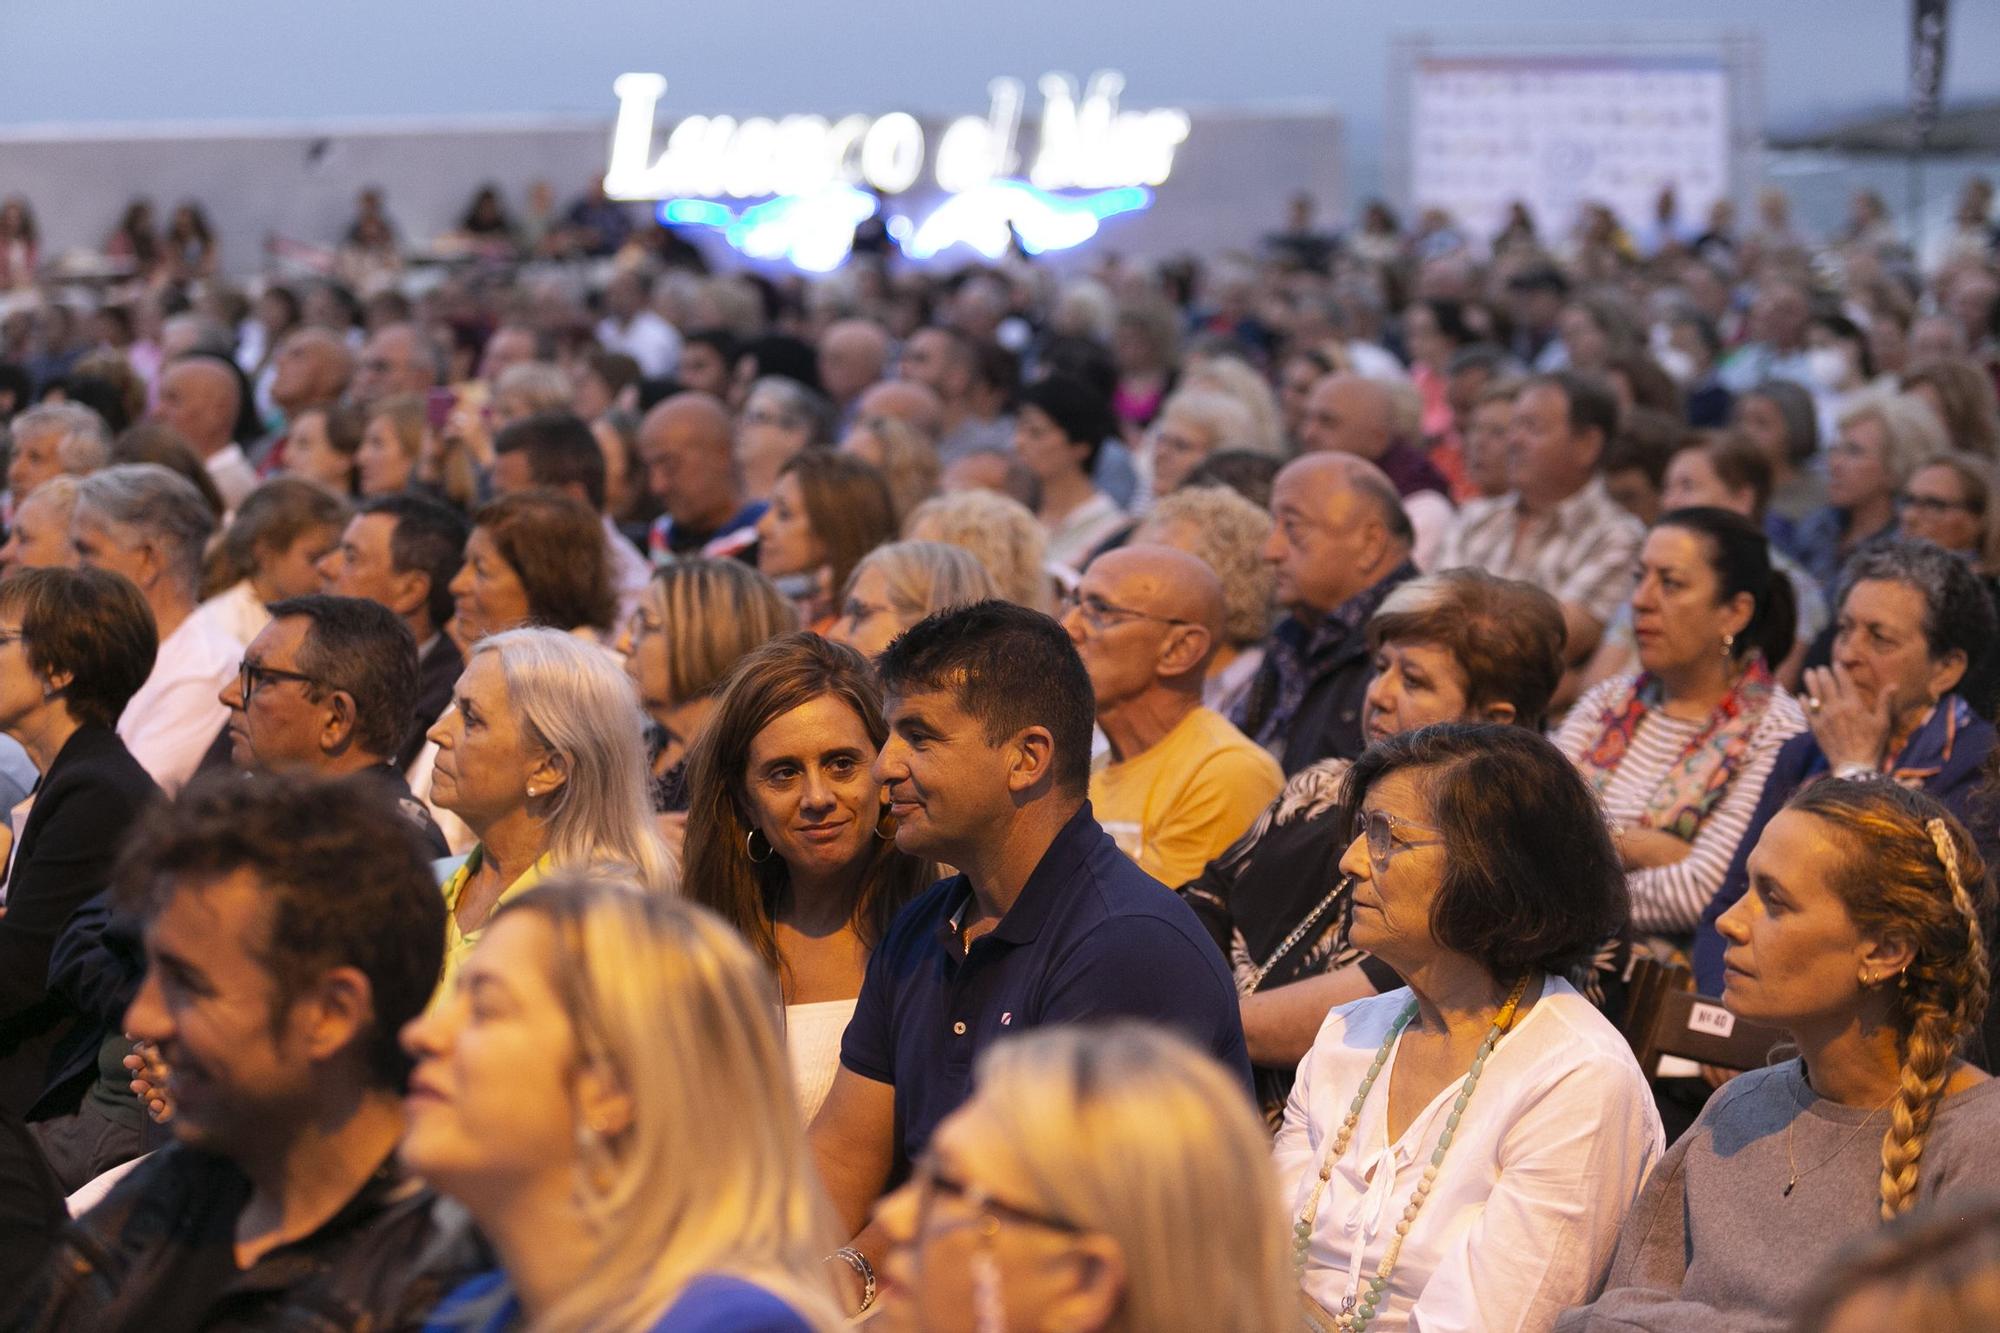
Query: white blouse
x=1525 y=1212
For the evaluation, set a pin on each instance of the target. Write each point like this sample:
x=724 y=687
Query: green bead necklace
x=1363 y=1311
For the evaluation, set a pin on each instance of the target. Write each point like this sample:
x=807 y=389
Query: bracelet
x=1856 y=770
x=864 y=1270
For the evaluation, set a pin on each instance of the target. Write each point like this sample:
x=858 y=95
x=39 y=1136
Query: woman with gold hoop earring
x=788 y=838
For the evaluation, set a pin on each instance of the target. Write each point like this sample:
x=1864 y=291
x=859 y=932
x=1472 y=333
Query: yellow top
x=1177 y=806
x=458 y=943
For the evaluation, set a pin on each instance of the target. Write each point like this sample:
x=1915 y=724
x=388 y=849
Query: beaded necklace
x=1357 y=1315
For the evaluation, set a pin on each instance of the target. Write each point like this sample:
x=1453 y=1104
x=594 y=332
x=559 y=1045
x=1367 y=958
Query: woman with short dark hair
x=1510 y=1118
x=534 y=558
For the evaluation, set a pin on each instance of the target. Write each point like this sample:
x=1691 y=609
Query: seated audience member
x=1193 y=424
x=1678 y=753
x=632 y=327
x=528 y=390
x=986 y=767
x=1882 y=443
x=153 y=442
x=403 y=551
x=309 y=372
x=1635 y=461
x=996 y=470
x=1227 y=533
x=692 y=471
x=271 y=550
x=1340 y=543
x=1481 y=873
x=75 y=646
x=392 y=442
x=1778 y=416
x=540 y=758
x=1353 y=414
x=970 y=385
x=1911 y=619
x=696 y=622
x=396 y=359
x=290 y=931
x=556 y=451
x=325 y=688
x=533 y=558
x=142 y=521
x=1461 y=646
x=827 y=511
x=1861 y=938
x=785 y=835
x=604 y=382
x=1180 y=783
x=852 y=355
x=1961 y=391
x=904 y=450
x=781 y=418
x=38 y=537
x=897 y=584
x=322 y=444
x=54 y=440
x=1558 y=528
x=1934 y=1267
x=202 y=397
x=1485 y=427
x=1059 y=427
x=551 y=1098
x=1001 y=533
x=1098 y=1179
x=1244 y=471
x=1953 y=501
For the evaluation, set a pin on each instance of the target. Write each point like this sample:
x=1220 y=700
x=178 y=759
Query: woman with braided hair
x=1861 y=937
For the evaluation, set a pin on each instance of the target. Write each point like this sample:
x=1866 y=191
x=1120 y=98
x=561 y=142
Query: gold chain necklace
x=1793 y=1162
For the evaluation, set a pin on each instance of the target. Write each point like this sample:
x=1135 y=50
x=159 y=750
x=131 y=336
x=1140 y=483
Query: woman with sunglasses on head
x=1862 y=939
x=1459 y=1152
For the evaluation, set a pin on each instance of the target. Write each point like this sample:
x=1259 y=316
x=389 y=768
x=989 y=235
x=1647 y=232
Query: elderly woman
x=827 y=511
x=897 y=585
x=1001 y=533
x=1953 y=501
x=604 y=1089
x=75 y=646
x=781 y=418
x=270 y=551
x=1779 y=418
x=1462 y=646
x=1862 y=939
x=1678 y=752
x=1510 y=1118
x=38 y=538
x=533 y=558
x=1060 y=425
x=540 y=757
x=1883 y=441
x=1105 y=1181
x=694 y=623
x=55 y=440
x=142 y=521
x=1910 y=620
x=1227 y=533
x=392 y=440
x=1193 y=424
x=786 y=835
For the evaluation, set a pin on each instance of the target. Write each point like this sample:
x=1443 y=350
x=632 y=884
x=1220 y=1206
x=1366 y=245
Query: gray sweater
x=1714 y=1243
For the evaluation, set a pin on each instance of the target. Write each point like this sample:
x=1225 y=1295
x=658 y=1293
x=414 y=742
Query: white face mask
x=1829 y=367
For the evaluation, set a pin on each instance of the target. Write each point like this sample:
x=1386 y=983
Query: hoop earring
x=885 y=819
x=750 y=847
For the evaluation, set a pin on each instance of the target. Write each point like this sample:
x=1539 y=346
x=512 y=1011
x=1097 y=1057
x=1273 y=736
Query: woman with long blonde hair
x=605 y=1090
x=1107 y=1179
x=1862 y=938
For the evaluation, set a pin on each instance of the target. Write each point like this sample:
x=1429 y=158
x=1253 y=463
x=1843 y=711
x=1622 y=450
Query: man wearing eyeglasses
x=326 y=689
x=1180 y=783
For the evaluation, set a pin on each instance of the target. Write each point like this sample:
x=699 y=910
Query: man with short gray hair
x=51 y=441
x=151 y=525
x=780 y=418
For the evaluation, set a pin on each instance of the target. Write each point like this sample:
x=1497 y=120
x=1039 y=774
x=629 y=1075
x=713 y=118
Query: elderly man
x=151 y=525
x=1339 y=543
x=853 y=354
x=630 y=325
x=397 y=359
x=780 y=418
x=312 y=369
x=556 y=451
x=947 y=363
x=691 y=469
x=900 y=400
x=200 y=396
x=1181 y=783
x=1559 y=528
x=326 y=688
x=1350 y=414
x=52 y=441
x=38 y=538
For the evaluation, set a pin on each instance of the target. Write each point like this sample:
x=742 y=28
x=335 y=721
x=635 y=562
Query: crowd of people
x=589 y=793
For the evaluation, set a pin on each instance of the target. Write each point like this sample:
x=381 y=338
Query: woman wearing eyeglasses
x=1104 y=1180
x=1460 y=1152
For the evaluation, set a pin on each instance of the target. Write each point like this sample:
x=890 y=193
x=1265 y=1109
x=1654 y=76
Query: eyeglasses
x=1100 y=614
x=254 y=676
x=933 y=1183
x=1388 y=835
x=1934 y=505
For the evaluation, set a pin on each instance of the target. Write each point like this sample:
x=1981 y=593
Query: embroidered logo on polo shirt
x=1007 y=1018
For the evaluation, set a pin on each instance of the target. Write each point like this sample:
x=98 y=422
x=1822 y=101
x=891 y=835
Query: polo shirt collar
x=1045 y=887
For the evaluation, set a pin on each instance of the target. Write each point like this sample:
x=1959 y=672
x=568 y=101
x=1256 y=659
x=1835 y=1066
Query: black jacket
x=84 y=804
x=437 y=671
x=159 y=1256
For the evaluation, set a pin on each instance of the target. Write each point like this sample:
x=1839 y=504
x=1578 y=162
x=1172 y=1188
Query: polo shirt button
x=958 y=1029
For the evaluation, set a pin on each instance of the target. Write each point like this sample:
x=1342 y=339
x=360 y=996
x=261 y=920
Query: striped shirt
x=1585 y=552
x=1669 y=900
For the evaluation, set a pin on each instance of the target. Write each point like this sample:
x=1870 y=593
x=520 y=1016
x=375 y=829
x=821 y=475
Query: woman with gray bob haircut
x=899 y=584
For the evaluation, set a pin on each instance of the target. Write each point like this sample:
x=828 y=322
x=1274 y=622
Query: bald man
x=1350 y=414
x=397 y=359
x=900 y=400
x=853 y=354
x=1340 y=541
x=311 y=370
x=200 y=396
x=688 y=447
x=1181 y=784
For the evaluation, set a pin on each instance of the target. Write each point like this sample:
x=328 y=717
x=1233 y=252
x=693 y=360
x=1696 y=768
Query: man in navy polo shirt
x=986 y=768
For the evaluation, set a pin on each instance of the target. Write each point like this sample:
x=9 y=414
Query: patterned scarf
x=1700 y=777
x=1295 y=654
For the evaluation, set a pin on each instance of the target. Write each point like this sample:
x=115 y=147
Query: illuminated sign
x=1084 y=142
